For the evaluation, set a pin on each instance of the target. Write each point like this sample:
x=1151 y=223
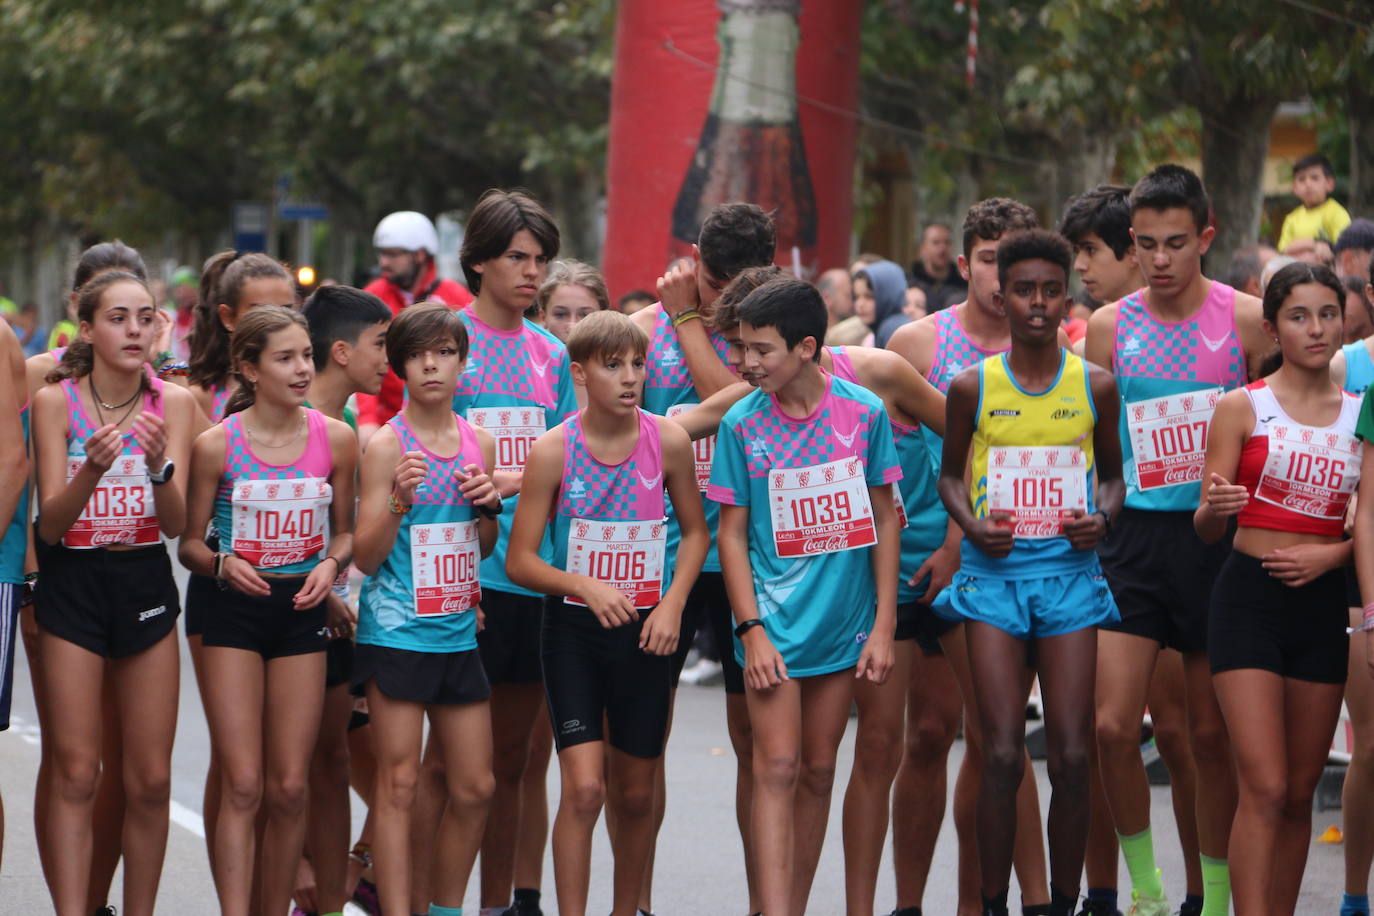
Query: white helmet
x=406 y=229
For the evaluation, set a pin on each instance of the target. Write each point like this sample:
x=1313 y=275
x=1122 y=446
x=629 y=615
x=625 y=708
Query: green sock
x=1216 y=887
x=437 y=910
x=1139 y=850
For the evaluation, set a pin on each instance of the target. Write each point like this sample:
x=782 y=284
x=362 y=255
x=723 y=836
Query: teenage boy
x=611 y=627
x=1318 y=216
x=1040 y=424
x=1098 y=226
x=1175 y=346
x=516 y=386
x=348 y=339
x=687 y=363
x=911 y=404
x=940 y=695
x=809 y=543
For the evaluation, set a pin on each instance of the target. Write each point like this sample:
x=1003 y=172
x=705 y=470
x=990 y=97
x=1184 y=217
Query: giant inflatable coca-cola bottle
x=751 y=146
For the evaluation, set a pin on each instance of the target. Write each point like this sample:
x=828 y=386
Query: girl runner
x=279 y=480
x=106 y=497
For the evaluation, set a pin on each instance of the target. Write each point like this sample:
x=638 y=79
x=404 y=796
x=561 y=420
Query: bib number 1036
x=1311 y=471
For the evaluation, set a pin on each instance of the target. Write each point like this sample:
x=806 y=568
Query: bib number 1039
x=820 y=509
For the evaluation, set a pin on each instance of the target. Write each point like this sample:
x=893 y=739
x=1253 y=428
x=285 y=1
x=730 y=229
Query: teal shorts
x=1031 y=608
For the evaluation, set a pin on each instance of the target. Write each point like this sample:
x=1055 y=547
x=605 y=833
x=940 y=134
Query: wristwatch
x=163 y=474
x=489 y=512
x=1106 y=519
x=746 y=626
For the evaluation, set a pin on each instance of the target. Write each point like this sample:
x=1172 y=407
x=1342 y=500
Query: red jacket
x=376 y=410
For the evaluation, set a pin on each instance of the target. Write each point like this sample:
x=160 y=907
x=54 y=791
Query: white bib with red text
x=279 y=522
x=628 y=556
x=1169 y=437
x=513 y=428
x=120 y=510
x=1310 y=471
x=1040 y=486
x=443 y=568
x=820 y=509
x=703 y=450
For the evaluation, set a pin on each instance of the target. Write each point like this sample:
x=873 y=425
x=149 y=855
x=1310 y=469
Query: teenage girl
x=1283 y=461
x=107 y=439
x=231 y=284
x=278 y=479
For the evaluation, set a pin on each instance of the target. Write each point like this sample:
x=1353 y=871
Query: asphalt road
x=698 y=870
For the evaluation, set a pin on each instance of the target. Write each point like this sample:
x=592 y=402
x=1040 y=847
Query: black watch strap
x=747 y=625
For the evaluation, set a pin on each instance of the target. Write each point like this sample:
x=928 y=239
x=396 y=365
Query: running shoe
x=1097 y=908
x=365 y=896
x=1149 y=906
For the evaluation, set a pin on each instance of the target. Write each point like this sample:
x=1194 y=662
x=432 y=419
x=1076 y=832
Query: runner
x=1098 y=225
x=813 y=604
x=601 y=475
x=941 y=688
x=516 y=385
x=109 y=802
x=14 y=506
x=279 y=481
x=1276 y=632
x=428 y=511
x=107 y=495
x=1041 y=423
x=687 y=363
x=910 y=402
x=231 y=285
x=348 y=338
x=407 y=246
x=1159 y=572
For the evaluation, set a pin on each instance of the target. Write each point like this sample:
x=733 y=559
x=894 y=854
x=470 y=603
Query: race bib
x=703 y=450
x=279 y=522
x=628 y=556
x=443 y=568
x=1311 y=471
x=1169 y=437
x=1040 y=486
x=120 y=510
x=821 y=509
x=900 y=505
x=513 y=428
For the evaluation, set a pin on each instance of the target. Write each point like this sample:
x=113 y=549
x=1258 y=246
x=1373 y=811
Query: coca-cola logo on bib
x=824 y=545
x=1046 y=529
x=451 y=606
x=1314 y=506
x=285 y=558
x=105 y=538
x=1178 y=475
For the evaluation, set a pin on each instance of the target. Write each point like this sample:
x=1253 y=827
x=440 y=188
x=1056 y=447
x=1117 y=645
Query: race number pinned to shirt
x=443 y=568
x=820 y=509
x=279 y=522
x=703 y=450
x=513 y=428
x=1039 y=486
x=1311 y=471
x=627 y=556
x=1169 y=437
x=120 y=510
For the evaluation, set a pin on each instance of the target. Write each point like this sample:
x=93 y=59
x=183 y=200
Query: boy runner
x=1175 y=347
x=803 y=473
x=612 y=623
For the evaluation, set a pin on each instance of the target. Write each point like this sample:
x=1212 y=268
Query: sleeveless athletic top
x=516 y=385
x=1033 y=457
x=121 y=509
x=926 y=520
x=1300 y=478
x=219 y=397
x=15 y=542
x=631 y=555
x=954 y=352
x=668 y=390
x=421 y=597
x=1359 y=368
x=1170 y=376
x=275 y=516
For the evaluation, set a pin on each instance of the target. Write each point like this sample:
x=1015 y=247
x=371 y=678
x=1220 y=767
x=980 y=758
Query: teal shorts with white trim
x=1031 y=608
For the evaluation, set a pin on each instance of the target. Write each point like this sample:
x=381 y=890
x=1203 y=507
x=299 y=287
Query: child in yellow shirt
x=1319 y=217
